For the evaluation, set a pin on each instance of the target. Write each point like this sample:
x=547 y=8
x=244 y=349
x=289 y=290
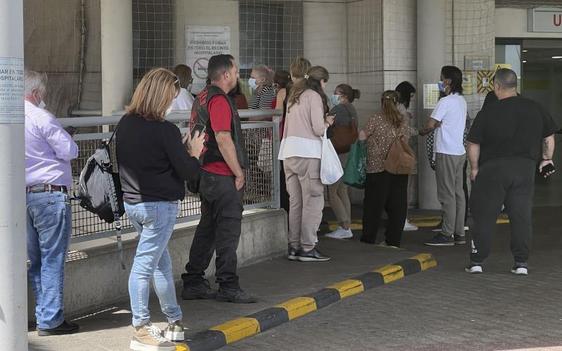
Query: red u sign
x=557 y=19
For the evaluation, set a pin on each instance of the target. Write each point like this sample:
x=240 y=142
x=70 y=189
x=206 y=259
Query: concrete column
x=13 y=281
x=431 y=57
x=116 y=54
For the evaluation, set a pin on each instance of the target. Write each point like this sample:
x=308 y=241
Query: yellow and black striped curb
x=241 y=328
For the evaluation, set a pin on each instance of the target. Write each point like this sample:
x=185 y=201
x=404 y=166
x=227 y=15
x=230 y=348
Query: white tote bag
x=330 y=166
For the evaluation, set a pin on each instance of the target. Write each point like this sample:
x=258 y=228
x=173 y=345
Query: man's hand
x=239 y=182
x=543 y=164
x=473 y=174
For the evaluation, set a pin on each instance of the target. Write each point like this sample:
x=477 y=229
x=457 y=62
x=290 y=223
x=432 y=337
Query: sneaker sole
x=476 y=271
x=226 y=299
x=339 y=237
x=53 y=333
x=198 y=297
x=439 y=244
x=174 y=336
x=311 y=259
x=519 y=273
x=292 y=258
x=137 y=346
x=462 y=242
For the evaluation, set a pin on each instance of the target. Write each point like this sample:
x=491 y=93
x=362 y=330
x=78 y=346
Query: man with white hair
x=48 y=152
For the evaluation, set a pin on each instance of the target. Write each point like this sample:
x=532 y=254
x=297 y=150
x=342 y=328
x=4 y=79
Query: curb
x=245 y=327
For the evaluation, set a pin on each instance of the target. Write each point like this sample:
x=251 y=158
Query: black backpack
x=99 y=190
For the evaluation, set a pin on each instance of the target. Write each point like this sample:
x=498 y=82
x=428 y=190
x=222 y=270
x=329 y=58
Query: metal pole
x=13 y=282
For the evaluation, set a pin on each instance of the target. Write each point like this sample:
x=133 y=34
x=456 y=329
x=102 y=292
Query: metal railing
x=262 y=175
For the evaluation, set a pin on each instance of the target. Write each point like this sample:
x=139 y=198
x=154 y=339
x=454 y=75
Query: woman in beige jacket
x=301 y=150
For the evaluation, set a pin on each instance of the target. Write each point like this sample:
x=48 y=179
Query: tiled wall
x=324 y=34
x=470 y=32
x=365 y=54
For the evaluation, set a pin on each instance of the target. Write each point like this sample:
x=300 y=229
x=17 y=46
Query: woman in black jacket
x=153 y=166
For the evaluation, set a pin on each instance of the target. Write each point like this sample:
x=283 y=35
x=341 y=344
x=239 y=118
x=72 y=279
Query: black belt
x=43 y=188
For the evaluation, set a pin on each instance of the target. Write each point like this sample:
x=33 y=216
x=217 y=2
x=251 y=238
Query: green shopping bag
x=355 y=174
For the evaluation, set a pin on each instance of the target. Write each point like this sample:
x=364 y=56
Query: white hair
x=35 y=81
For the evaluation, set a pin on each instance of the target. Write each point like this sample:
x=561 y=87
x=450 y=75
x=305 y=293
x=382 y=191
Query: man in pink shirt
x=48 y=152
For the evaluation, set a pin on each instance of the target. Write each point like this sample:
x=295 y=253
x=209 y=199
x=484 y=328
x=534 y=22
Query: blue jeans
x=48 y=233
x=154 y=221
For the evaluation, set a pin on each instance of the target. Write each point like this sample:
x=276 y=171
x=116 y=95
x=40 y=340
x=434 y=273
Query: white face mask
x=252 y=83
x=189 y=87
x=42 y=105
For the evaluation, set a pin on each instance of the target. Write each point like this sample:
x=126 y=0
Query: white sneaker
x=384 y=244
x=149 y=338
x=473 y=269
x=519 y=270
x=340 y=233
x=409 y=227
x=174 y=331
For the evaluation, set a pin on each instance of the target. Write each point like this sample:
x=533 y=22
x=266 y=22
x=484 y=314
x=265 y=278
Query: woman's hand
x=362 y=135
x=329 y=120
x=195 y=145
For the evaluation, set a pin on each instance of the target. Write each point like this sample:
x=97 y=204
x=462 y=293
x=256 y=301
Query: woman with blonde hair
x=153 y=166
x=301 y=150
x=383 y=190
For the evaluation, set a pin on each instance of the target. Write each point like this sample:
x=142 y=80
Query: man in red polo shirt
x=222 y=180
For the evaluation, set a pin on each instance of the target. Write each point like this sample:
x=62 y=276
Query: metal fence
x=262 y=175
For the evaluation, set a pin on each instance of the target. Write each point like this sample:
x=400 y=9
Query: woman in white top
x=184 y=100
x=301 y=151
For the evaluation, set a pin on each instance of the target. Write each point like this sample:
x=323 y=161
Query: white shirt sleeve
x=440 y=110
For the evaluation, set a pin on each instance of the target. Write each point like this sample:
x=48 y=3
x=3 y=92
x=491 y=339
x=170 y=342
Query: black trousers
x=218 y=230
x=283 y=194
x=509 y=182
x=385 y=191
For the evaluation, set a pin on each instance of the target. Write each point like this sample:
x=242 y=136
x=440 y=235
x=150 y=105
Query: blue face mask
x=252 y=83
x=441 y=86
x=335 y=100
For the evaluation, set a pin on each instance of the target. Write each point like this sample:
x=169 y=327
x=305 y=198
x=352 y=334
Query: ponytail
x=389 y=102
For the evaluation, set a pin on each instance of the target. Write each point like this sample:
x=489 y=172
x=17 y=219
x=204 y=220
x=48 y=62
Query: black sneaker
x=292 y=254
x=441 y=240
x=201 y=291
x=460 y=239
x=64 y=328
x=473 y=268
x=312 y=256
x=235 y=296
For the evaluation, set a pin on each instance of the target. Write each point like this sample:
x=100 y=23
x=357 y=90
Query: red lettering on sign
x=557 y=19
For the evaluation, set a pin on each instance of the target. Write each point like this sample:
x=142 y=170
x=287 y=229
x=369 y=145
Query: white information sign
x=202 y=42
x=11 y=90
x=542 y=19
x=430 y=96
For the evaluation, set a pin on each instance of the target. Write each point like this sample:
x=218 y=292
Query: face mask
x=189 y=87
x=441 y=86
x=335 y=99
x=42 y=105
x=252 y=83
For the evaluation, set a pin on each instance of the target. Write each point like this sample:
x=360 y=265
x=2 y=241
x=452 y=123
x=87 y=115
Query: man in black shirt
x=504 y=148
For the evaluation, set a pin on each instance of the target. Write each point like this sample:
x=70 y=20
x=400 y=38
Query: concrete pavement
x=441 y=309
